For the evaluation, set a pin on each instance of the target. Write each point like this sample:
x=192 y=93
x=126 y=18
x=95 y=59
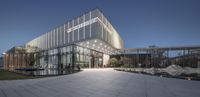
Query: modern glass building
x=87 y=40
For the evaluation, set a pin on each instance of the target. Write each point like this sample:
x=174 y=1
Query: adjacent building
x=1 y=62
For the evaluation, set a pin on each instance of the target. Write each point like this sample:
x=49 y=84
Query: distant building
x=1 y=62
x=134 y=60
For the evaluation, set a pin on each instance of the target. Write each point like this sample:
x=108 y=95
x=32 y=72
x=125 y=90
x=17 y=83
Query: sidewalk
x=100 y=83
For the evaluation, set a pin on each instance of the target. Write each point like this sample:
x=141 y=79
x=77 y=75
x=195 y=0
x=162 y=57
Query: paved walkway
x=101 y=83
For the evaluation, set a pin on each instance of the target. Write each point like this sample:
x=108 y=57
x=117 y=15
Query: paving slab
x=101 y=83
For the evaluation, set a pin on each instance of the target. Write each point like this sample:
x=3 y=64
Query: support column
x=73 y=57
x=167 y=57
x=198 y=63
x=138 y=58
x=60 y=66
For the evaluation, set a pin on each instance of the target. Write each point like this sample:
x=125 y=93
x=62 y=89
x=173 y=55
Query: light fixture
x=95 y=41
x=88 y=42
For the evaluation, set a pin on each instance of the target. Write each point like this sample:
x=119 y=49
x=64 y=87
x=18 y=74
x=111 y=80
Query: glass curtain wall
x=70 y=56
x=92 y=24
x=87 y=58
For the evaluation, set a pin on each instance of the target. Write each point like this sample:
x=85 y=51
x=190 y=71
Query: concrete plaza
x=101 y=83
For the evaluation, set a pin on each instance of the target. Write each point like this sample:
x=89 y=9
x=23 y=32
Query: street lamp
x=3 y=58
x=3 y=53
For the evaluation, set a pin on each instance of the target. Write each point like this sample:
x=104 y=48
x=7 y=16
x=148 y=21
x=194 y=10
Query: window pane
x=87 y=31
x=70 y=36
x=95 y=29
x=81 y=33
x=96 y=13
x=76 y=35
x=81 y=20
x=87 y=16
x=76 y=22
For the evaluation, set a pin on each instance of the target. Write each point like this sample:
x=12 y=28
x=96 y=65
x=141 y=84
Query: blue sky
x=140 y=22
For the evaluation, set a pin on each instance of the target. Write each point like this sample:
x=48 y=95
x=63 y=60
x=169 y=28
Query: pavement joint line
x=3 y=92
x=163 y=83
x=26 y=89
x=145 y=86
x=99 y=82
x=40 y=88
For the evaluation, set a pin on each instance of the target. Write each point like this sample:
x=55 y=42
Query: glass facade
x=92 y=24
x=60 y=47
x=71 y=56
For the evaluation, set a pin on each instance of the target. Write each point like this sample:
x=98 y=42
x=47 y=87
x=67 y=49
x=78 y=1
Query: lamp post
x=3 y=53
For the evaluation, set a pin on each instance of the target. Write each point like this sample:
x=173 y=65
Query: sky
x=139 y=22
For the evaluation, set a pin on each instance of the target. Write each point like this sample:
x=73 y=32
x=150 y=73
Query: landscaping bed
x=7 y=75
x=172 y=71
